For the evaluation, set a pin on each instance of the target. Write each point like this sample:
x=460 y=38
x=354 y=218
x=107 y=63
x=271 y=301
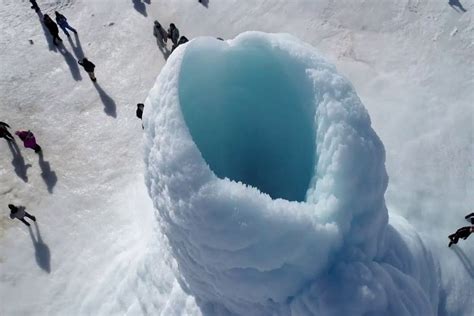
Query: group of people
x=29 y=141
x=173 y=33
x=53 y=29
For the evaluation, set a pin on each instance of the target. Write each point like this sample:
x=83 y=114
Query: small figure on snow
x=4 y=133
x=160 y=33
x=88 y=67
x=29 y=140
x=173 y=34
x=34 y=5
x=63 y=24
x=53 y=28
x=20 y=213
x=462 y=232
x=140 y=107
x=183 y=39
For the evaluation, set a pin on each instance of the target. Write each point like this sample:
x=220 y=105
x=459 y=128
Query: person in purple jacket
x=29 y=140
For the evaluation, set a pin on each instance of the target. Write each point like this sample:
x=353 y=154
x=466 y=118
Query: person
x=63 y=24
x=29 y=140
x=173 y=34
x=183 y=39
x=140 y=107
x=160 y=33
x=4 y=133
x=34 y=5
x=462 y=232
x=53 y=28
x=88 y=67
x=20 y=213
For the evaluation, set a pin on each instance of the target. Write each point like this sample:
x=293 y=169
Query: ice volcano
x=268 y=183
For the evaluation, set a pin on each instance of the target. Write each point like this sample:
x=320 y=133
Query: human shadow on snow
x=71 y=62
x=49 y=176
x=467 y=263
x=110 y=107
x=76 y=47
x=455 y=4
x=42 y=253
x=205 y=3
x=48 y=36
x=18 y=162
x=140 y=7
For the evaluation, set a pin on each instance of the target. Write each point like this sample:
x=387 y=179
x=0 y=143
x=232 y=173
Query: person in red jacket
x=29 y=140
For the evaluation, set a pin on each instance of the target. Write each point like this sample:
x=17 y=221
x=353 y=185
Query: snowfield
x=101 y=248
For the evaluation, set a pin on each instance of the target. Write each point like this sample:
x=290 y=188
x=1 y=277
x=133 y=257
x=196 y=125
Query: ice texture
x=268 y=183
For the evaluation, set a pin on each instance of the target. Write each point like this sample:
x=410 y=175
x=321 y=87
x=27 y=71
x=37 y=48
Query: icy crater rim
x=249 y=110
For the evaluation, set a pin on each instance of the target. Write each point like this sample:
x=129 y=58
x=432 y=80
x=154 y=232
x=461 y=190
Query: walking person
x=183 y=39
x=4 y=133
x=88 y=67
x=173 y=34
x=34 y=5
x=160 y=33
x=462 y=232
x=29 y=140
x=52 y=28
x=20 y=213
x=63 y=24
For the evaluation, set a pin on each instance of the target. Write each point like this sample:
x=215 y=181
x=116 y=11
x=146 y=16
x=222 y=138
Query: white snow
x=97 y=225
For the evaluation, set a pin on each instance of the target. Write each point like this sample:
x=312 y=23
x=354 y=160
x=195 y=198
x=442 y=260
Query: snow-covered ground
x=411 y=63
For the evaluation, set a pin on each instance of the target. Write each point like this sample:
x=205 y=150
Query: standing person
x=20 y=213
x=160 y=33
x=34 y=5
x=140 y=107
x=53 y=28
x=63 y=24
x=88 y=67
x=29 y=140
x=462 y=232
x=4 y=133
x=173 y=34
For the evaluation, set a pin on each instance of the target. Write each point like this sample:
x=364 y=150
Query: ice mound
x=268 y=183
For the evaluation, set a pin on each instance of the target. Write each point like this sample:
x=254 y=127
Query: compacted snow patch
x=268 y=183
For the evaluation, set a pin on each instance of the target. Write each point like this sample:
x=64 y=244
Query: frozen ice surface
x=268 y=183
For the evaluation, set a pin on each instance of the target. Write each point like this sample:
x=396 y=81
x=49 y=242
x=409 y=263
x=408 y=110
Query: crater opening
x=249 y=111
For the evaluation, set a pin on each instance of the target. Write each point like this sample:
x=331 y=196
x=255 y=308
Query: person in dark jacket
x=88 y=67
x=52 y=28
x=173 y=34
x=34 y=5
x=20 y=213
x=160 y=33
x=63 y=24
x=462 y=232
x=4 y=133
x=183 y=39
x=140 y=107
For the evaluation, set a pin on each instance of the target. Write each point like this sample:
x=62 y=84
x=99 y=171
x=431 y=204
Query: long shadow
x=163 y=49
x=42 y=253
x=71 y=62
x=456 y=4
x=205 y=3
x=140 y=7
x=464 y=260
x=48 y=36
x=18 y=162
x=49 y=176
x=110 y=107
x=77 y=47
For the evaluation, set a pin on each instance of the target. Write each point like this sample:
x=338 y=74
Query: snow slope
x=410 y=62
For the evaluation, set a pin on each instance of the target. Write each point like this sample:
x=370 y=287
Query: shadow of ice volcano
x=268 y=183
